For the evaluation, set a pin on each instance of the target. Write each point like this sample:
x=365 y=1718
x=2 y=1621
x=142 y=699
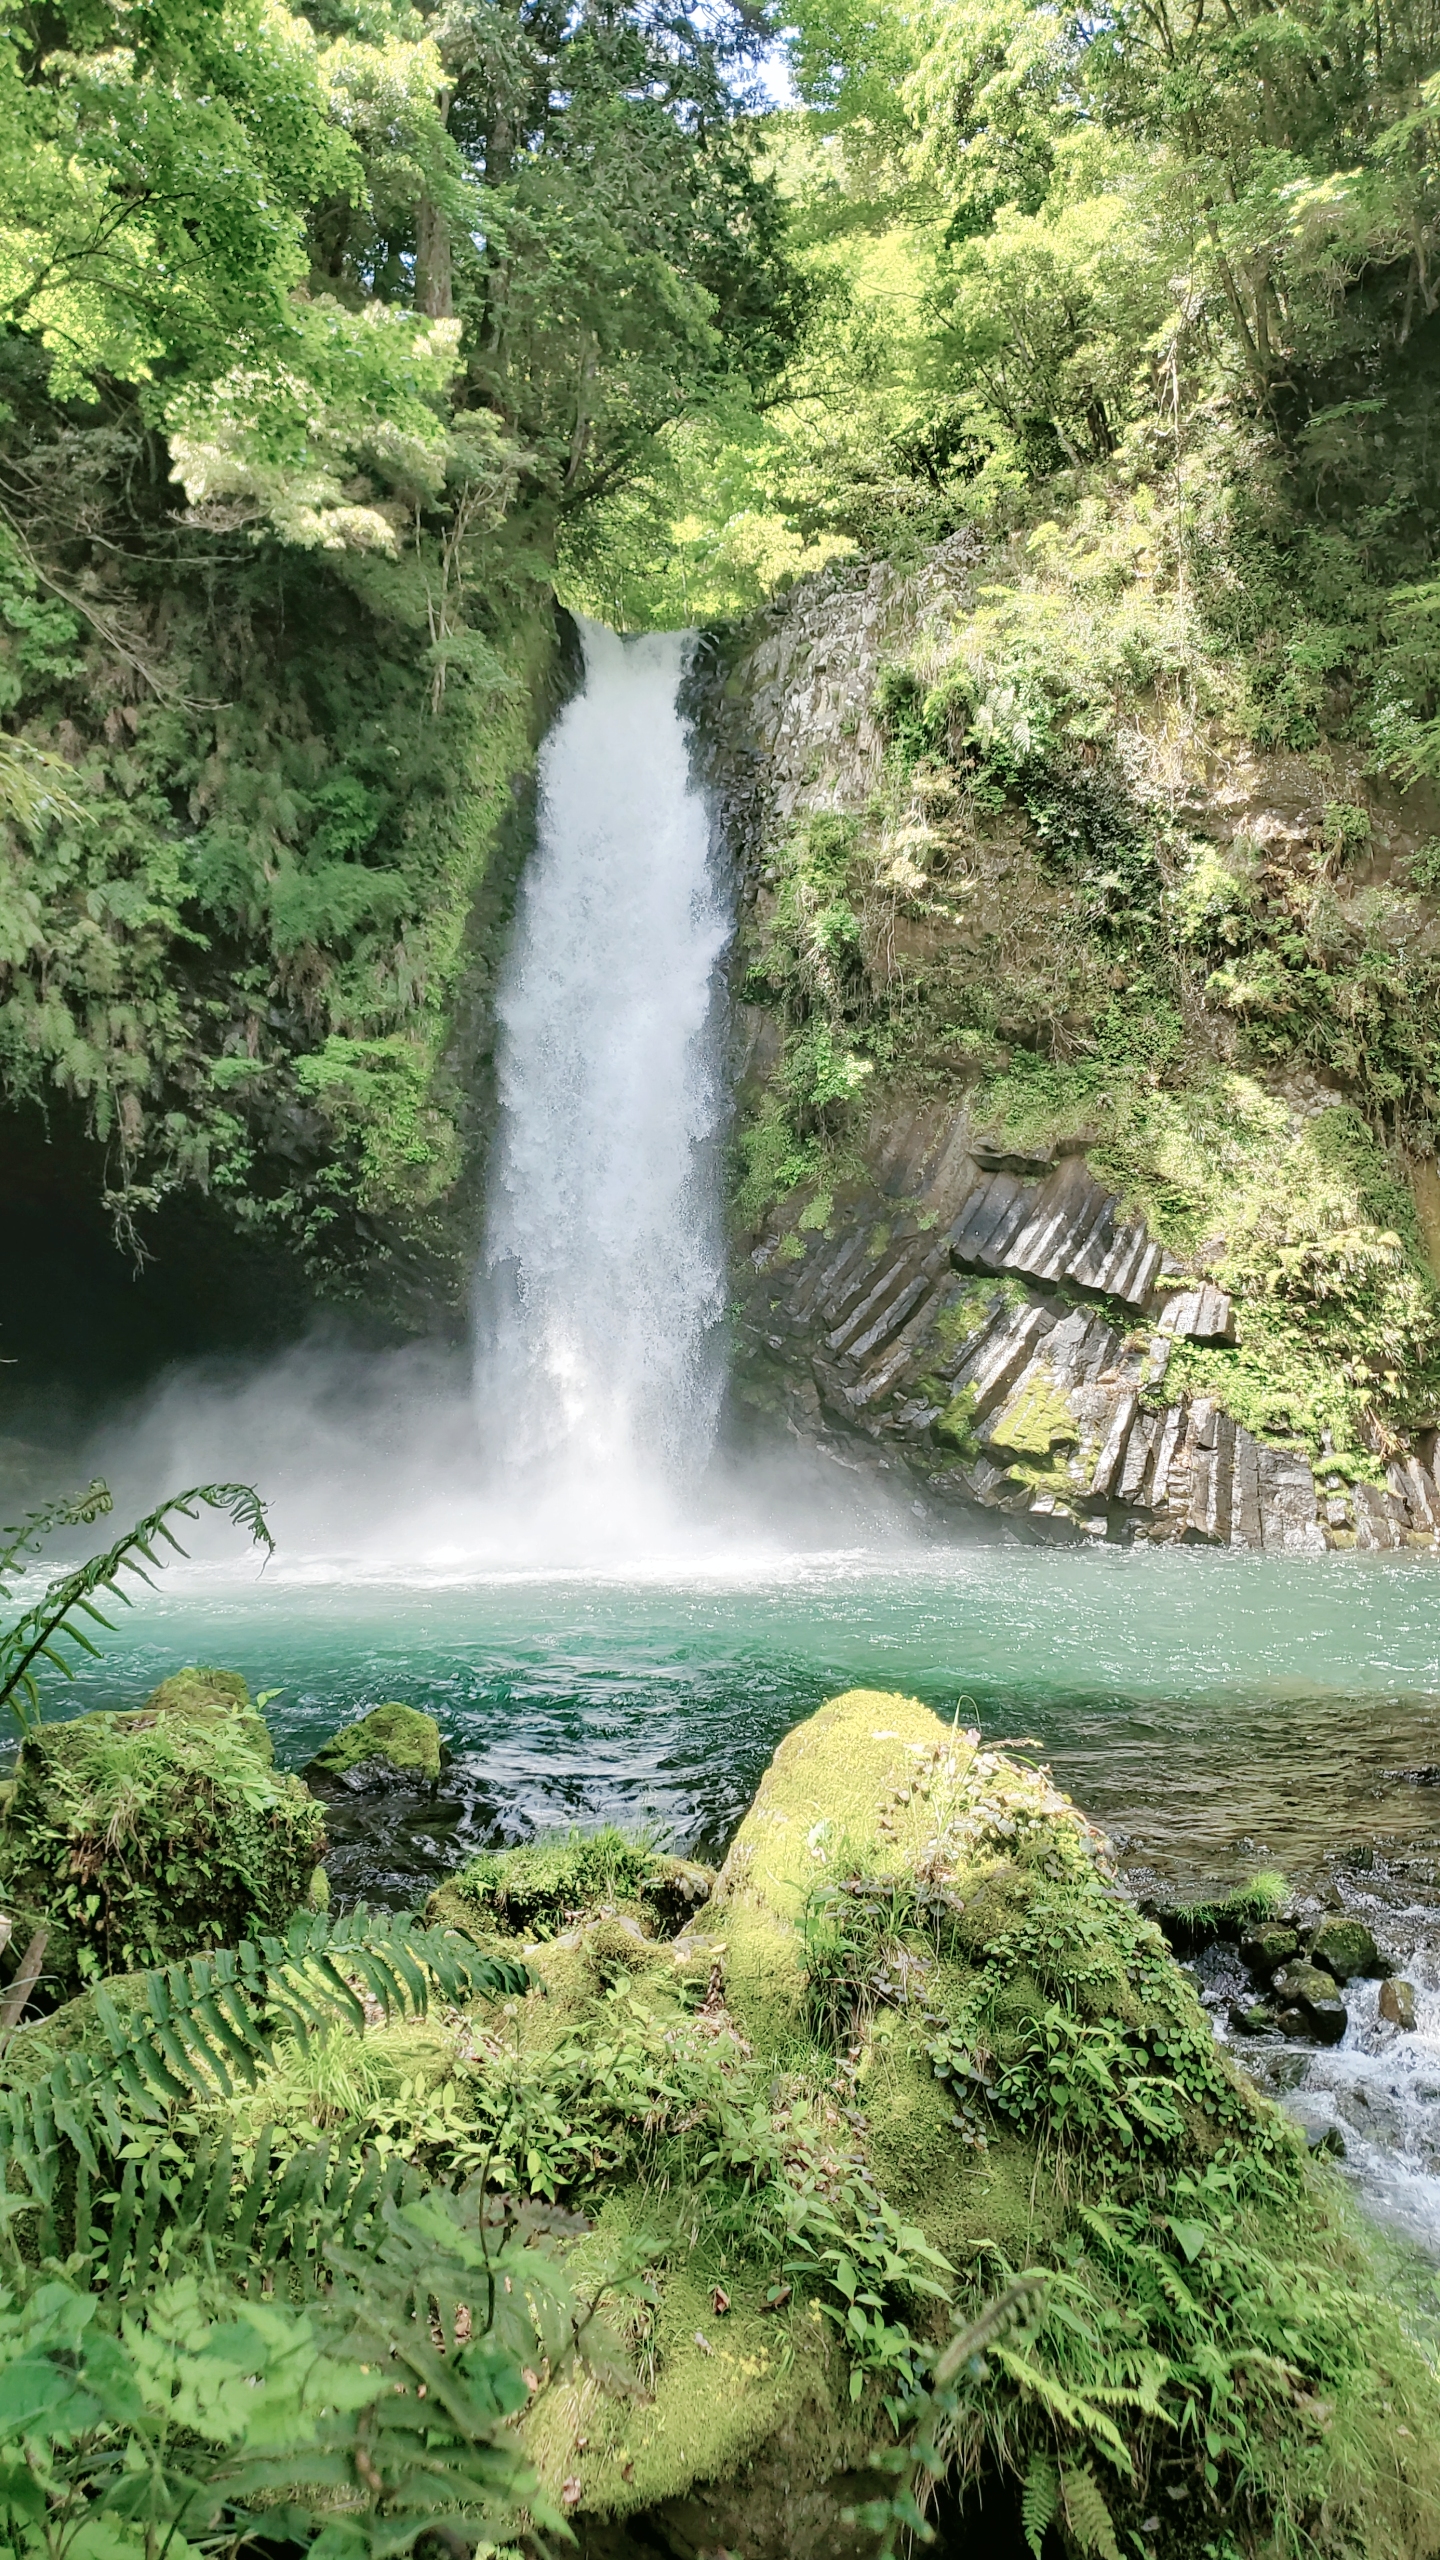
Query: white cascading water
x=597 y=1374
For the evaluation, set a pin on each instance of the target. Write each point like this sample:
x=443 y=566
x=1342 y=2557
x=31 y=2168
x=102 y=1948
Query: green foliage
x=235 y=2344
x=41 y=1632
x=317 y=334
x=193 y=2034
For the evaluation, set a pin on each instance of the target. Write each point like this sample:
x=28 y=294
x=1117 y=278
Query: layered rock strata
x=999 y=1333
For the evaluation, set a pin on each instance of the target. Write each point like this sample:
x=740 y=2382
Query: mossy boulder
x=392 y=1746
x=1308 y=2000
x=542 y=1889
x=1265 y=1949
x=139 y=1837
x=919 y=2039
x=1345 y=1947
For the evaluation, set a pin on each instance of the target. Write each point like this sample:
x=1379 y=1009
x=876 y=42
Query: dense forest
x=336 y=342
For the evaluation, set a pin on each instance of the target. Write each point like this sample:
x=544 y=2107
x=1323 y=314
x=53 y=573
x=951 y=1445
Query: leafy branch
x=55 y=1620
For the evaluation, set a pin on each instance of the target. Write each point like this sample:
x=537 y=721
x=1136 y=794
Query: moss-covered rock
x=141 y=1837
x=542 y=1889
x=932 y=2015
x=392 y=1746
x=1344 y=1947
x=916 y=2040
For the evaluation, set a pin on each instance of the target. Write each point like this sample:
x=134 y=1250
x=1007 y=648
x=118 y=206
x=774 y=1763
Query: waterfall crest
x=601 y=1282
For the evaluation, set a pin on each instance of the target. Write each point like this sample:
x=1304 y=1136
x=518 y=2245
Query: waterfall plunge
x=597 y=1370
x=597 y=1373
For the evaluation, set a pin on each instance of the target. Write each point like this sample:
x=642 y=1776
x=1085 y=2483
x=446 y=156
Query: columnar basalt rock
x=1002 y=1337
x=987 y=1320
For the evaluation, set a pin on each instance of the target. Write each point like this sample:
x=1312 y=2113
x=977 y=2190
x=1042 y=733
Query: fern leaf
x=1087 y=2518
x=42 y=1632
x=1040 y=2501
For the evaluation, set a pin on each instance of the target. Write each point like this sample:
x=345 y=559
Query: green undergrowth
x=137 y=1837
x=233 y=946
x=915 y=2045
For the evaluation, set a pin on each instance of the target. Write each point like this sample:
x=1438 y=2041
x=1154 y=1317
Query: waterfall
x=601 y=1281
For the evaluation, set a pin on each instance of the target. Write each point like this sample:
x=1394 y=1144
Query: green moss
x=915 y=2040
x=1188 y=1925
x=539 y=1889
x=140 y=1837
x=199 y=1684
x=1037 y=1420
x=402 y=1739
x=955 y=1428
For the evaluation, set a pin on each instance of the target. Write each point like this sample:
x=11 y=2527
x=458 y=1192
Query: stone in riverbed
x=1251 y=2018
x=392 y=1746
x=1265 y=1949
x=1397 y=2003
x=1344 y=1947
x=1310 y=2002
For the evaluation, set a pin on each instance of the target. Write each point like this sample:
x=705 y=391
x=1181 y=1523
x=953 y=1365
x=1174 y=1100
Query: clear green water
x=1211 y=1709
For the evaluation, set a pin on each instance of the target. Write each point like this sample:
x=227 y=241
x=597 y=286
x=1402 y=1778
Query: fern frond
x=72 y=1511
x=1087 y=2518
x=44 y=1630
x=207 y=2023
x=1039 y=2501
x=1021 y=2301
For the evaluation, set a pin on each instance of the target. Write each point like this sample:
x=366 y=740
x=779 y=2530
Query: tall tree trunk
x=434 y=289
x=434 y=283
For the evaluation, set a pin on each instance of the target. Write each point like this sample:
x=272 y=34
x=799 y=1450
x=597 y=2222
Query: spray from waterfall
x=601 y=1284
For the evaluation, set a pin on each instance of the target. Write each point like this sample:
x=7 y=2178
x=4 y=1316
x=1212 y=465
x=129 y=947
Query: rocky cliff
x=1086 y=1167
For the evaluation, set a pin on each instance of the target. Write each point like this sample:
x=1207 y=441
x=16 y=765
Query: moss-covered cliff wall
x=1091 y=1072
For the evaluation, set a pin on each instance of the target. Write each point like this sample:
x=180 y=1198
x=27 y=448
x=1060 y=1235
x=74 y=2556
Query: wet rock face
x=1308 y=2002
x=1397 y=2003
x=1344 y=1947
x=1000 y=1336
x=852 y=1328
